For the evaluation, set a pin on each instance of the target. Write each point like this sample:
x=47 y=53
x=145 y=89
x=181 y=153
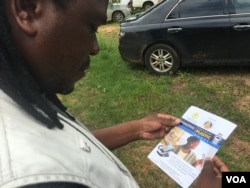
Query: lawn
x=115 y=91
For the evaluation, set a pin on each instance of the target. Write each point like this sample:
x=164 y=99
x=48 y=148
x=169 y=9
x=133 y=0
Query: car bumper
x=130 y=54
x=131 y=50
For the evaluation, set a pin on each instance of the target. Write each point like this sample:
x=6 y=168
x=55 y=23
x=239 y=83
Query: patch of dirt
x=243 y=100
x=108 y=28
x=241 y=147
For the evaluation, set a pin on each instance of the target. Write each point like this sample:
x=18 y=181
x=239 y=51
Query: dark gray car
x=178 y=33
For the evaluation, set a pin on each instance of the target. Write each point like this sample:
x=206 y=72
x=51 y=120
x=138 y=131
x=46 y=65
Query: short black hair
x=193 y=139
x=63 y=3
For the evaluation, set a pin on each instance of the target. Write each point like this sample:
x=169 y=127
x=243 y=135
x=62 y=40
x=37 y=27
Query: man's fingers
x=208 y=168
x=168 y=120
x=221 y=166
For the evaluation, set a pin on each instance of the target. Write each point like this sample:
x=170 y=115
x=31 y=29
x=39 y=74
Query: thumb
x=207 y=176
x=208 y=168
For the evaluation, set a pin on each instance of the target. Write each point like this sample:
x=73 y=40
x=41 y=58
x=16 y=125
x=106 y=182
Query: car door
x=240 y=30
x=199 y=29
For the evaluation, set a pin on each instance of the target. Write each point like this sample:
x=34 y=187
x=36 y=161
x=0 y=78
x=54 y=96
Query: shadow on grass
x=218 y=70
x=208 y=70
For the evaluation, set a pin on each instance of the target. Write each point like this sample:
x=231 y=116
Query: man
x=44 y=49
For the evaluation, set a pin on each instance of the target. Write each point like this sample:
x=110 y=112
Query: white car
x=145 y=4
x=117 y=12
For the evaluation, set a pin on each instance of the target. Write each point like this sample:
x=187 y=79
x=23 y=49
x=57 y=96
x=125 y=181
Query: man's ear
x=26 y=13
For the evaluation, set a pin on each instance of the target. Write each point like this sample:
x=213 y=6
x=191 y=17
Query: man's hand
x=157 y=125
x=210 y=176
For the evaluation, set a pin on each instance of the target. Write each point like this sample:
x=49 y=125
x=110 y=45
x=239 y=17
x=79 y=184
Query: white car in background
x=145 y=4
x=117 y=12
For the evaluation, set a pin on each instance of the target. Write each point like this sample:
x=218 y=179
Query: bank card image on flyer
x=181 y=153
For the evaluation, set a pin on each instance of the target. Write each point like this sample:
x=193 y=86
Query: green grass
x=115 y=91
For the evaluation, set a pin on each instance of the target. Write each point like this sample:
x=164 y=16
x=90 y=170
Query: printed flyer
x=181 y=153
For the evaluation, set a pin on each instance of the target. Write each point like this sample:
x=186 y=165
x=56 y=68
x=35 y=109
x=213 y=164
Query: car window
x=196 y=8
x=241 y=6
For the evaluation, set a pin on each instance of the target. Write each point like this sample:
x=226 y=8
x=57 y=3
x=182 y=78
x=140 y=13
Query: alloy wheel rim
x=161 y=60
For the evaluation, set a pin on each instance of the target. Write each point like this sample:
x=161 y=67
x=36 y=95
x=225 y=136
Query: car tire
x=147 y=5
x=118 y=16
x=130 y=5
x=162 y=59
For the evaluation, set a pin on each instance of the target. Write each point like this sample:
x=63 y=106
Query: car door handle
x=174 y=30
x=241 y=27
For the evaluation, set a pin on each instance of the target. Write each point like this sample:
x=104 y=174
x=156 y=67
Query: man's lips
x=85 y=65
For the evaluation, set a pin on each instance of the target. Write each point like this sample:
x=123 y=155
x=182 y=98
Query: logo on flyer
x=207 y=125
x=195 y=115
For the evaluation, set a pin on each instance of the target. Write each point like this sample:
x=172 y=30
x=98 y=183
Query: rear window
x=197 y=8
x=241 y=6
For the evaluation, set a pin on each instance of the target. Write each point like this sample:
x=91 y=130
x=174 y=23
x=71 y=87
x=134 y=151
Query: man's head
x=56 y=38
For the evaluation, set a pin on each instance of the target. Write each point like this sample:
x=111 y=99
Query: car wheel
x=130 y=5
x=147 y=5
x=162 y=59
x=118 y=16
